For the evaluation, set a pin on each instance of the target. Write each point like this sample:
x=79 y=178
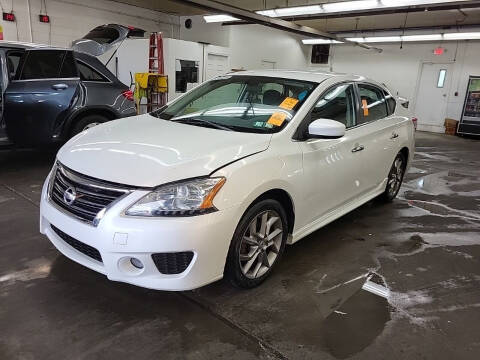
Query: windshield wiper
x=197 y=121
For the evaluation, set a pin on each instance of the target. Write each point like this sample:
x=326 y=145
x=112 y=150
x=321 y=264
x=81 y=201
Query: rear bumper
x=118 y=238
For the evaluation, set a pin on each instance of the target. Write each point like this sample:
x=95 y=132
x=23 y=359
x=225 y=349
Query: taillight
x=128 y=94
x=414 y=120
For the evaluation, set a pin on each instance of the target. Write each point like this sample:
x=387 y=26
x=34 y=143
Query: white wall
x=250 y=44
x=400 y=69
x=71 y=19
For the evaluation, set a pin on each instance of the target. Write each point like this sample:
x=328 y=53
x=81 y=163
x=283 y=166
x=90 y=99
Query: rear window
x=87 y=73
x=103 y=35
x=48 y=64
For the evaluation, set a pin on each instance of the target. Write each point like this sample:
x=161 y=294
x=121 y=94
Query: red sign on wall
x=44 y=18
x=8 y=16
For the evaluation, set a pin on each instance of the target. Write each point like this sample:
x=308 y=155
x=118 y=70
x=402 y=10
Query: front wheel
x=86 y=123
x=257 y=245
x=395 y=178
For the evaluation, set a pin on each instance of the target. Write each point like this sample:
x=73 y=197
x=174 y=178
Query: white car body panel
x=323 y=178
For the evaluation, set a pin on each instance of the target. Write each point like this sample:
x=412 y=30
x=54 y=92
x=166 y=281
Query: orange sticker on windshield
x=277 y=118
x=365 y=107
x=289 y=103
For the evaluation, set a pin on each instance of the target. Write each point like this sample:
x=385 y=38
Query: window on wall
x=320 y=53
x=442 y=75
x=372 y=103
x=337 y=104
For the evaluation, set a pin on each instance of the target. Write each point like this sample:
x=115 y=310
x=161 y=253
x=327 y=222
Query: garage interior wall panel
x=71 y=20
x=250 y=45
x=400 y=69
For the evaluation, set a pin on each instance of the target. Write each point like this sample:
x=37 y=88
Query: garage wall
x=400 y=69
x=86 y=14
x=250 y=44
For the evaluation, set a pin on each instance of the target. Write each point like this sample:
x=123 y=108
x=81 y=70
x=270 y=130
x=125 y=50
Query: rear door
x=40 y=96
x=378 y=129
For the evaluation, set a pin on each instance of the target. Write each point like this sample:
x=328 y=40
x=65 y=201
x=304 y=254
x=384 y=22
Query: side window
x=391 y=103
x=13 y=60
x=69 y=70
x=337 y=104
x=372 y=103
x=87 y=73
x=42 y=64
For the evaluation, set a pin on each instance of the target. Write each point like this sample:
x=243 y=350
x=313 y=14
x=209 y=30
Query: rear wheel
x=395 y=178
x=257 y=245
x=86 y=123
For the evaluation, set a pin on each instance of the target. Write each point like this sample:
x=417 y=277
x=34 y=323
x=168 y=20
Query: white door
x=216 y=65
x=432 y=96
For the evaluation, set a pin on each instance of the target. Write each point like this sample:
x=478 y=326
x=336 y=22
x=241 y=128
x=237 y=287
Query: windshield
x=240 y=103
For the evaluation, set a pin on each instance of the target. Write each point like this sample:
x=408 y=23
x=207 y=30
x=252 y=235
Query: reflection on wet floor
x=386 y=281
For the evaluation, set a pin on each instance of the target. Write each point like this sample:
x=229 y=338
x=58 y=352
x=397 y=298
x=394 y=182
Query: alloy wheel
x=260 y=244
x=395 y=177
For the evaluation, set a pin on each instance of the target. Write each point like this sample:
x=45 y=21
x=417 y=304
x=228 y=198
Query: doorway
x=432 y=96
x=216 y=65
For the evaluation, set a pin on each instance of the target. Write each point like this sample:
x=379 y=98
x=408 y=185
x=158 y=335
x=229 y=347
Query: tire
x=251 y=258
x=86 y=122
x=395 y=178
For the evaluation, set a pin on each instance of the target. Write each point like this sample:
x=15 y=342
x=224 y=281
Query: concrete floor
x=422 y=250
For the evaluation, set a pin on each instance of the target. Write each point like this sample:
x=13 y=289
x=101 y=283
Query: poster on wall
x=1 y=32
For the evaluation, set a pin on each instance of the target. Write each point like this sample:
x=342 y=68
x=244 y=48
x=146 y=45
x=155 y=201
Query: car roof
x=27 y=45
x=305 y=75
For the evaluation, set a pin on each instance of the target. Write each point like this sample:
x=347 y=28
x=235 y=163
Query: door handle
x=358 y=148
x=394 y=136
x=60 y=86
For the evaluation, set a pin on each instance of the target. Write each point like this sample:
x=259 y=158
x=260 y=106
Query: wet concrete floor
x=386 y=281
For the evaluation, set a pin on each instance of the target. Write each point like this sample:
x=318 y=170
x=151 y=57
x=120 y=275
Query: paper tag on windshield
x=289 y=103
x=277 y=118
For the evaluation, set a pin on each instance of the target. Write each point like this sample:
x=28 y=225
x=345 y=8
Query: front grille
x=172 y=263
x=90 y=195
x=78 y=245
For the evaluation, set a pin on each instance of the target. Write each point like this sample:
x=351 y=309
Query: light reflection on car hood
x=147 y=151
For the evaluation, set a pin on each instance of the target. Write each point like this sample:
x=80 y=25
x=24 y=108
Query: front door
x=332 y=167
x=40 y=96
x=432 y=96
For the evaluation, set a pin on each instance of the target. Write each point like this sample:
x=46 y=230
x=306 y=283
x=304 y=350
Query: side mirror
x=325 y=128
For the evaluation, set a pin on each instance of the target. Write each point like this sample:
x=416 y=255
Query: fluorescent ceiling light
x=355 y=5
x=462 y=36
x=219 y=18
x=320 y=41
x=399 y=38
x=428 y=37
x=349 y=5
x=333 y=7
x=292 y=11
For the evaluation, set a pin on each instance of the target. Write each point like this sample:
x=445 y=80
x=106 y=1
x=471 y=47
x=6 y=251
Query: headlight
x=186 y=198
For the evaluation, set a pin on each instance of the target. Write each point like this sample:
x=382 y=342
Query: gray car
x=50 y=94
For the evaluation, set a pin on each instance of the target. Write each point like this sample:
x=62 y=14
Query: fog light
x=136 y=263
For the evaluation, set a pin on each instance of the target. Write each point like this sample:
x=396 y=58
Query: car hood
x=146 y=151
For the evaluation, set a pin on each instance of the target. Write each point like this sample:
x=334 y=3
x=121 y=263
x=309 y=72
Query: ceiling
x=345 y=23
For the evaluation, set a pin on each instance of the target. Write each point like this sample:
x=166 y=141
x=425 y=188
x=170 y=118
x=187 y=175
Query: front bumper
x=118 y=237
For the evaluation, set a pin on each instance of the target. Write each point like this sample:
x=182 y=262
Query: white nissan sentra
x=217 y=182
